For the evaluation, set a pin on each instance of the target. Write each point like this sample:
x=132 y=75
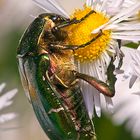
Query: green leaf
x=132 y=45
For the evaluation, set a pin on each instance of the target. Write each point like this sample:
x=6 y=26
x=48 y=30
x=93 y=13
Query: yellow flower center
x=80 y=33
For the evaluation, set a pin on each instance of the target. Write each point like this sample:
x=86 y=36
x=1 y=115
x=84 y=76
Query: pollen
x=80 y=33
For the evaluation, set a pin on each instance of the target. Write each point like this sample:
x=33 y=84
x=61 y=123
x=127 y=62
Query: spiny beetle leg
x=121 y=59
x=75 y=47
x=73 y=21
x=111 y=76
x=98 y=84
x=120 y=54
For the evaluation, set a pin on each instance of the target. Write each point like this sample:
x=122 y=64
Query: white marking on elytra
x=48 y=88
x=69 y=133
x=49 y=130
x=43 y=78
x=55 y=110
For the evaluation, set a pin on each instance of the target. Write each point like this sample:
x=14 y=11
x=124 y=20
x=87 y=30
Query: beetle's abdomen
x=63 y=77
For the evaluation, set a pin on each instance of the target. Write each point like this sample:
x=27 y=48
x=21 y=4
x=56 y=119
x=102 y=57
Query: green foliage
x=8 y=63
x=105 y=130
x=132 y=45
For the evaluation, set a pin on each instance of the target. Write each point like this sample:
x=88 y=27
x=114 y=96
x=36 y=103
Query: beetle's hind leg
x=121 y=54
x=106 y=89
x=98 y=84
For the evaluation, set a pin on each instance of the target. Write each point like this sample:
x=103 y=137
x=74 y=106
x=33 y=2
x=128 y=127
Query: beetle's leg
x=56 y=47
x=106 y=89
x=56 y=80
x=119 y=43
x=75 y=47
x=73 y=21
x=111 y=77
x=121 y=55
x=98 y=84
x=61 y=34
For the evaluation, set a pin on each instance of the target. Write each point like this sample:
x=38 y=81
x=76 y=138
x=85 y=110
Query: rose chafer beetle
x=50 y=79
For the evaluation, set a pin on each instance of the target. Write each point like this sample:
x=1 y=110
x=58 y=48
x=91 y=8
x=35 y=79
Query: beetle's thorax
x=49 y=24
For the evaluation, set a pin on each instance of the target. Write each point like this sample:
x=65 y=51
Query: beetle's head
x=57 y=19
x=52 y=21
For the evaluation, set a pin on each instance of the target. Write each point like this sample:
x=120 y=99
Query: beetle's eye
x=55 y=19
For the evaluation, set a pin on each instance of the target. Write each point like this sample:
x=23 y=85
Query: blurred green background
x=25 y=126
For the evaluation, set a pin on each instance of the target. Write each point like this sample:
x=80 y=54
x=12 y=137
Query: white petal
x=138 y=48
x=125 y=13
x=137 y=69
x=127 y=101
x=122 y=15
x=116 y=3
x=132 y=80
x=89 y=2
x=125 y=27
x=124 y=37
x=2 y=86
x=112 y=11
x=97 y=103
x=7 y=117
x=88 y=98
x=103 y=5
x=127 y=73
x=5 y=100
x=109 y=104
x=99 y=70
x=136 y=56
x=127 y=33
x=52 y=6
x=99 y=28
x=107 y=58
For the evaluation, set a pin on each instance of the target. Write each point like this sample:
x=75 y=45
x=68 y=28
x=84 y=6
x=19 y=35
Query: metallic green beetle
x=51 y=82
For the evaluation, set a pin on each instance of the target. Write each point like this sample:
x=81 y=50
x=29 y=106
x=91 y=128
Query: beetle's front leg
x=72 y=21
x=55 y=47
x=61 y=34
x=75 y=47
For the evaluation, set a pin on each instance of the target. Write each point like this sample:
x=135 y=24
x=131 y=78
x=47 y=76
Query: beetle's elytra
x=51 y=81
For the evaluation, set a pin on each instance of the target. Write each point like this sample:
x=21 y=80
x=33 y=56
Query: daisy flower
x=133 y=72
x=5 y=101
x=115 y=24
x=127 y=105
